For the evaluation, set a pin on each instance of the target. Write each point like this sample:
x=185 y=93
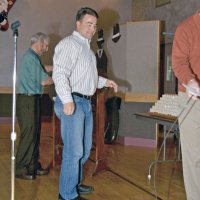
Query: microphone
x=149 y=177
x=15 y=25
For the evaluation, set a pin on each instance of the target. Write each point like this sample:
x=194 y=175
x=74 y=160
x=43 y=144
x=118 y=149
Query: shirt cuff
x=102 y=82
x=66 y=99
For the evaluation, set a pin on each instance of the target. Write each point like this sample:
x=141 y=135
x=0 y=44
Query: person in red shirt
x=186 y=66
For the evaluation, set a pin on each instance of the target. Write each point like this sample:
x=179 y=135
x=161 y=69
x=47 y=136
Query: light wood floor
x=126 y=179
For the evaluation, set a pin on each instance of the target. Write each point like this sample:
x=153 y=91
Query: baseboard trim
x=8 y=120
x=5 y=120
x=138 y=142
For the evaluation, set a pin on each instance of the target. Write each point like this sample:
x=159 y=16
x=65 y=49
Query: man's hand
x=48 y=68
x=112 y=84
x=48 y=81
x=68 y=108
x=192 y=89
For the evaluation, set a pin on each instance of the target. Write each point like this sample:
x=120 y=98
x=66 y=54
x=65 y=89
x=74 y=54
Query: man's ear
x=78 y=23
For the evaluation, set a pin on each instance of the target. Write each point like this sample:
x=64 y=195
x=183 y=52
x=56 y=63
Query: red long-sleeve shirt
x=186 y=50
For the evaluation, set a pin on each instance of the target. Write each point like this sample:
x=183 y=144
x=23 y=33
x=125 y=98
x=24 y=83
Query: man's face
x=42 y=47
x=87 y=26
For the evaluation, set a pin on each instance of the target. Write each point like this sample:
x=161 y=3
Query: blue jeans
x=76 y=133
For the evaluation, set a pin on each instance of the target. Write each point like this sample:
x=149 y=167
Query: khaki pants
x=189 y=125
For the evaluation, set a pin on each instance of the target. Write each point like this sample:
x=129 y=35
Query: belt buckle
x=85 y=96
x=88 y=97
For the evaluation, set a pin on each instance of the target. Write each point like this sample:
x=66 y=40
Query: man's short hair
x=86 y=10
x=40 y=37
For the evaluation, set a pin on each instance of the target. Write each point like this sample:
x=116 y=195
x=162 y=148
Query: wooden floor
x=126 y=178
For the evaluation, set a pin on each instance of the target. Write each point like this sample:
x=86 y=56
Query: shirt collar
x=30 y=49
x=196 y=18
x=77 y=34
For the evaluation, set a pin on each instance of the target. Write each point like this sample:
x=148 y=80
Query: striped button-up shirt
x=74 y=68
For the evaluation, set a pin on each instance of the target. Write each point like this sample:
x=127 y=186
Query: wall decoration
x=5 y=6
x=161 y=2
x=116 y=33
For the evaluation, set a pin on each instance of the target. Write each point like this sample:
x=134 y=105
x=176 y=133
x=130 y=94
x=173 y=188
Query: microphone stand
x=13 y=133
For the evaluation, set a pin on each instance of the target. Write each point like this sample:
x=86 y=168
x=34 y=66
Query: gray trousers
x=189 y=123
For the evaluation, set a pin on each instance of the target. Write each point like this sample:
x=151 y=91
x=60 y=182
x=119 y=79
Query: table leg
x=164 y=142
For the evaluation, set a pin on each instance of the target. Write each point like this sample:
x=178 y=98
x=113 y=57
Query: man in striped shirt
x=76 y=80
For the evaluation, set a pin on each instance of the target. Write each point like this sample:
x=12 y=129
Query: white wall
x=55 y=18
